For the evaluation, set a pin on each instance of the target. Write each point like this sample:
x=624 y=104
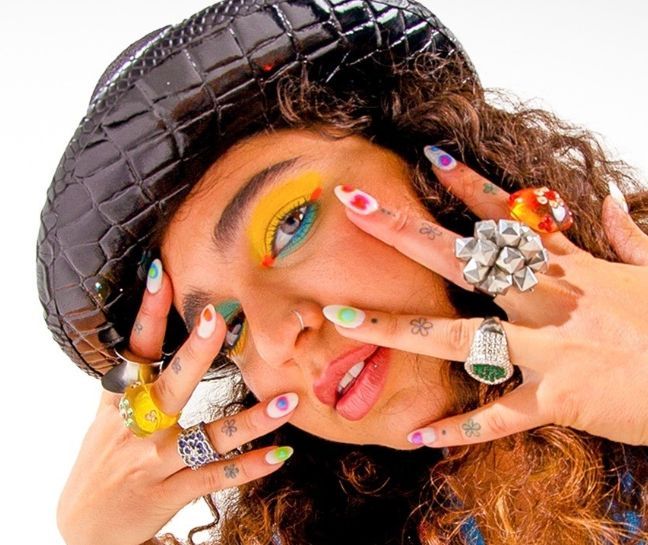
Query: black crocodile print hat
x=163 y=112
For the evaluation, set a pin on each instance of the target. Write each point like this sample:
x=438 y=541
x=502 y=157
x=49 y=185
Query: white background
x=587 y=60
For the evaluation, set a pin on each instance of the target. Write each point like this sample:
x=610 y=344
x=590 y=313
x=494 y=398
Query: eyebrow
x=224 y=231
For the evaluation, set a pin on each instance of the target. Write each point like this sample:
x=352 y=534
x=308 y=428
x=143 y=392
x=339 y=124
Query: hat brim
x=164 y=111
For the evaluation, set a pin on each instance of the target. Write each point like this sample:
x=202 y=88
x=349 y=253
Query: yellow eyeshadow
x=276 y=204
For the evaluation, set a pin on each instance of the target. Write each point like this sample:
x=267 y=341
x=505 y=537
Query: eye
x=290 y=229
x=236 y=328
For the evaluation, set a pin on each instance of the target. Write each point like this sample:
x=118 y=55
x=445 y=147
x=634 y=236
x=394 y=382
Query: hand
x=580 y=337
x=124 y=488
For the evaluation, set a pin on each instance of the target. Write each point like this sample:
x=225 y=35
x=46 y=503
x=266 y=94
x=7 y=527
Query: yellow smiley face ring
x=140 y=412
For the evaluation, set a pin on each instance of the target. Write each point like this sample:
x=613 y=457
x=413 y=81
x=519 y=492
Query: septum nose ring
x=301 y=320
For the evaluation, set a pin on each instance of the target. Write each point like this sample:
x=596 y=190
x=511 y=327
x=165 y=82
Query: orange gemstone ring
x=542 y=209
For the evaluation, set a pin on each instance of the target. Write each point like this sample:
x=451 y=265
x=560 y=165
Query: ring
x=542 y=209
x=130 y=370
x=301 y=320
x=195 y=448
x=501 y=255
x=140 y=412
x=488 y=360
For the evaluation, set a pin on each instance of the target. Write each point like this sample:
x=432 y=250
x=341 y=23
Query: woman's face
x=291 y=247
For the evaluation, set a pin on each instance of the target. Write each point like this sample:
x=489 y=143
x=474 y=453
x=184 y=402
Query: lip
x=325 y=387
x=358 y=400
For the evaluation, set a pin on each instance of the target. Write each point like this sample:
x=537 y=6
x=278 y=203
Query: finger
x=187 y=484
x=483 y=197
x=148 y=331
x=421 y=240
x=514 y=412
x=229 y=433
x=176 y=383
x=445 y=338
x=628 y=241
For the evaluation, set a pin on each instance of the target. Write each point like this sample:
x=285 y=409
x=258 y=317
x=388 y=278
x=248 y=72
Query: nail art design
x=279 y=455
x=344 y=316
x=439 y=158
x=424 y=436
x=356 y=200
x=154 y=277
x=618 y=197
x=282 y=405
x=207 y=323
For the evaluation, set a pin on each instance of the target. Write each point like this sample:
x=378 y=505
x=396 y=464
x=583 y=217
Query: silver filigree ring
x=501 y=255
x=195 y=447
x=488 y=360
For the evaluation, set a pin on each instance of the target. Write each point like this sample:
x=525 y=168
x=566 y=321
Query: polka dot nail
x=356 y=200
x=344 y=316
x=154 y=277
x=282 y=405
x=439 y=158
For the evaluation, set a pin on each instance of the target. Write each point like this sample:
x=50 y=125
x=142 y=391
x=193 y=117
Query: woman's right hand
x=123 y=489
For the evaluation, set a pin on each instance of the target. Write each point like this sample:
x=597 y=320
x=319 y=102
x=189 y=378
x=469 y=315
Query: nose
x=275 y=327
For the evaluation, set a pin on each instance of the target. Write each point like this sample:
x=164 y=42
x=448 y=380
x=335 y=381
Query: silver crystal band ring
x=488 y=360
x=195 y=447
x=501 y=255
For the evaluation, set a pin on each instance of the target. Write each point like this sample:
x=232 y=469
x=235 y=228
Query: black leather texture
x=163 y=111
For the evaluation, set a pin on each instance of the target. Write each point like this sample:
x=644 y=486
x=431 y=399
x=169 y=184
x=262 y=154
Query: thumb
x=628 y=241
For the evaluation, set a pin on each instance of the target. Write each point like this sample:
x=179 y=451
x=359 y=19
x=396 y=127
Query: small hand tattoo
x=444 y=432
x=374 y=320
x=176 y=366
x=430 y=231
x=231 y=471
x=388 y=212
x=229 y=428
x=138 y=327
x=489 y=188
x=421 y=326
x=471 y=428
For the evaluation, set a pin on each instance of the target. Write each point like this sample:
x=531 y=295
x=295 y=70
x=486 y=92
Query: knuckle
x=212 y=477
x=565 y=406
x=496 y=423
x=164 y=392
x=392 y=327
x=460 y=334
x=251 y=422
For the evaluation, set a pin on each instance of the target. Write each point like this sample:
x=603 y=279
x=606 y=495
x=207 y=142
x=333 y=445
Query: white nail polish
x=279 y=455
x=154 y=277
x=424 y=436
x=618 y=197
x=207 y=324
x=282 y=405
x=356 y=200
x=344 y=316
x=439 y=158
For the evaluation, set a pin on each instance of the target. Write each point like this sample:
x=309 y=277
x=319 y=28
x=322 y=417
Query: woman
x=293 y=252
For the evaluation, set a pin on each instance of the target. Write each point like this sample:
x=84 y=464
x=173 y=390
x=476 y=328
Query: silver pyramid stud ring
x=501 y=255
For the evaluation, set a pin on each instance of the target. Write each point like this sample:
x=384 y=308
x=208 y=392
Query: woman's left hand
x=580 y=337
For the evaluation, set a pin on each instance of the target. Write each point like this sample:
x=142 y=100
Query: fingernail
x=356 y=200
x=279 y=455
x=154 y=277
x=282 y=405
x=618 y=197
x=207 y=324
x=439 y=158
x=344 y=316
x=423 y=436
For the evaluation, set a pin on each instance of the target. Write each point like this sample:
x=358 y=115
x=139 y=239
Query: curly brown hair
x=547 y=485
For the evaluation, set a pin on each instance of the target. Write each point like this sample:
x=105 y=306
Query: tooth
x=357 y=368
x=346 y=380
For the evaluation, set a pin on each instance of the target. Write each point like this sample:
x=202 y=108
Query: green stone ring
x=488 y=360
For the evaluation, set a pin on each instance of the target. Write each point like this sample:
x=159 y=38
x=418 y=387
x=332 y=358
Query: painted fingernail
x=207 y=324
x=356 y=200
x=344 y=316
x=439 y=158
x=618 y=197
x=279 y=455
x=154 y=277
x=423 y=436
x=282 y=405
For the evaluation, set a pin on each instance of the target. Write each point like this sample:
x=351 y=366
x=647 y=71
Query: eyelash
x=306 y=221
